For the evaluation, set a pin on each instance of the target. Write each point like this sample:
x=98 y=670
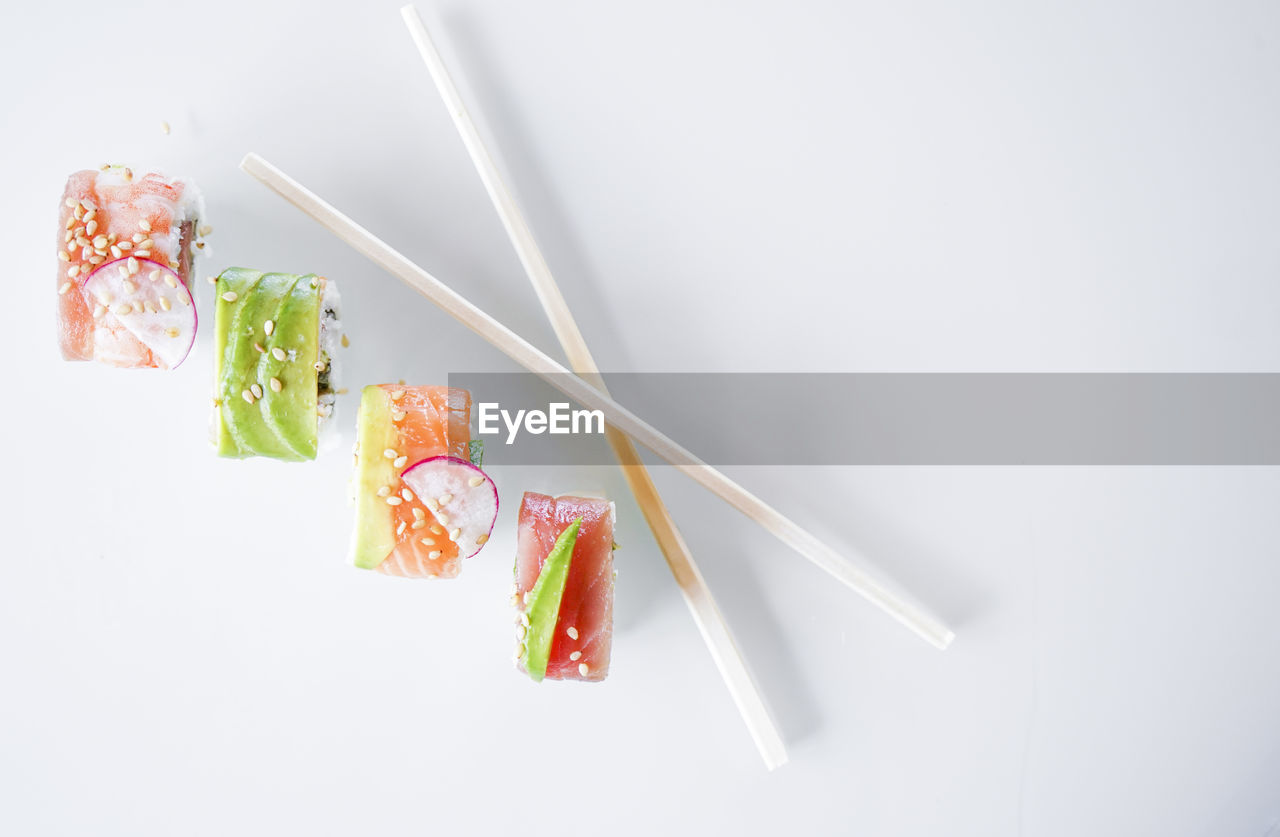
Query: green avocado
x=374 y=536
x=543 y=609
x=236 y=280
x=291 y=412
x=243 y=419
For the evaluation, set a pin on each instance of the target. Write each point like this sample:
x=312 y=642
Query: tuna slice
x=584 y=626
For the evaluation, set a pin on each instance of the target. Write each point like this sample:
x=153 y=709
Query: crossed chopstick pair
x=622 y=425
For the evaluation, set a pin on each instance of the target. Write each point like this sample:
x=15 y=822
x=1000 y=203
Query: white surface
x=929 y=187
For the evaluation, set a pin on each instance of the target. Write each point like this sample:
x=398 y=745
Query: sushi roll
x=125 y=246
x=422 y=502
x=564 y=587
x=275 y=340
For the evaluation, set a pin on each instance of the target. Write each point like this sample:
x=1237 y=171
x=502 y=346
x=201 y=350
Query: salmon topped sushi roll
x=125 y=247
x=422 y=502
x=564 y=587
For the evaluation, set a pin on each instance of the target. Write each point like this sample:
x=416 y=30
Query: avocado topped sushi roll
x=275 y=339
x=422 y=502
x=564 y=587
x=125 y=247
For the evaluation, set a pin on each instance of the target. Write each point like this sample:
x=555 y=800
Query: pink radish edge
x=472 y=509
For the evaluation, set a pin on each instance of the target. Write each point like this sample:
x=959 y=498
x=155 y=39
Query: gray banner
x=898 y=419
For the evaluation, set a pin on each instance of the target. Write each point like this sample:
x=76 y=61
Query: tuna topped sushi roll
x=275 y=338
x=125 y=245
x=422 y=502
x=564 y=587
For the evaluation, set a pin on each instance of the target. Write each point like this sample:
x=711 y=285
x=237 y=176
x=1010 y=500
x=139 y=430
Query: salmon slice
x=106 y=215
x=421 y=422
x=584 y=628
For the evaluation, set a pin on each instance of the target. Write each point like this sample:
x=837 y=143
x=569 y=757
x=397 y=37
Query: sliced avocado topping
x=543 y=609
x=290 y=358
x=475 y=452
x=237 y=281
x=374 y=537
x=244 y=416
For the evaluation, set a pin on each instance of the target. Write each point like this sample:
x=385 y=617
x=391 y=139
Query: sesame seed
x=91 y=228
x=572 y=632
x=154 y=276
x=521 y=631
x=419 y=513
x=78 y=213
x=125 y=246
x=394 y=501
x=184 y=299
x=66 y=286
x=150 y=309
x=436 y=530
x=276 y=386
x=144 y=225
x=475 y=481
x=133 y=265
x=397 y=395
x=444 y=498
x=72 y=245
x=268 y=327
x=123 y=308
x=406 y=494
x=71 y=203
x=575 y=656
x=432 y=504
x=398 y=416
x=584 y=669
x=138 y=238
x=400 y=529
x=230 y=296
x=428 y=541
x=443 y=518
x=256 y=390
x=94 y=259
x=258 y=347
x=87 y=205
x=129 y=287
x=68 y=237
x=278 y=353
x=146 y=244
x=98 y=311
x=99 y=242
x=169 y=280
x=455 y=534
x=128 y=175
x=389 y=453
x=204 y=230
x=418 y=524
x=71 y=222
x=346 y=341
x=482 y=540
x=142 y=254
x=116 y=252
x=172 y=331
x=524 y=619
x=164 y=126
x=212 y=280
x=164 y=303
x=319 y=365
x=247 y=396
x=400 y=461
x=384 y=491
x=73 y=271
x=433 y=554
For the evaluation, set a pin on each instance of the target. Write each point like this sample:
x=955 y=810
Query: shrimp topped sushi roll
x=275 y=340
x=564 y=587
x=125 y=246
x=422 y=502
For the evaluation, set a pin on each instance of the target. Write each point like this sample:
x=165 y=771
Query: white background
x=812 y=186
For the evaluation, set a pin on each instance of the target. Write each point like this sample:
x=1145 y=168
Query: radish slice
x=152 y=303
x=460 y=495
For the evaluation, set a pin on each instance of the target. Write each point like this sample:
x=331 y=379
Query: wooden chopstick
x=896 y=604
x=697 y=595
